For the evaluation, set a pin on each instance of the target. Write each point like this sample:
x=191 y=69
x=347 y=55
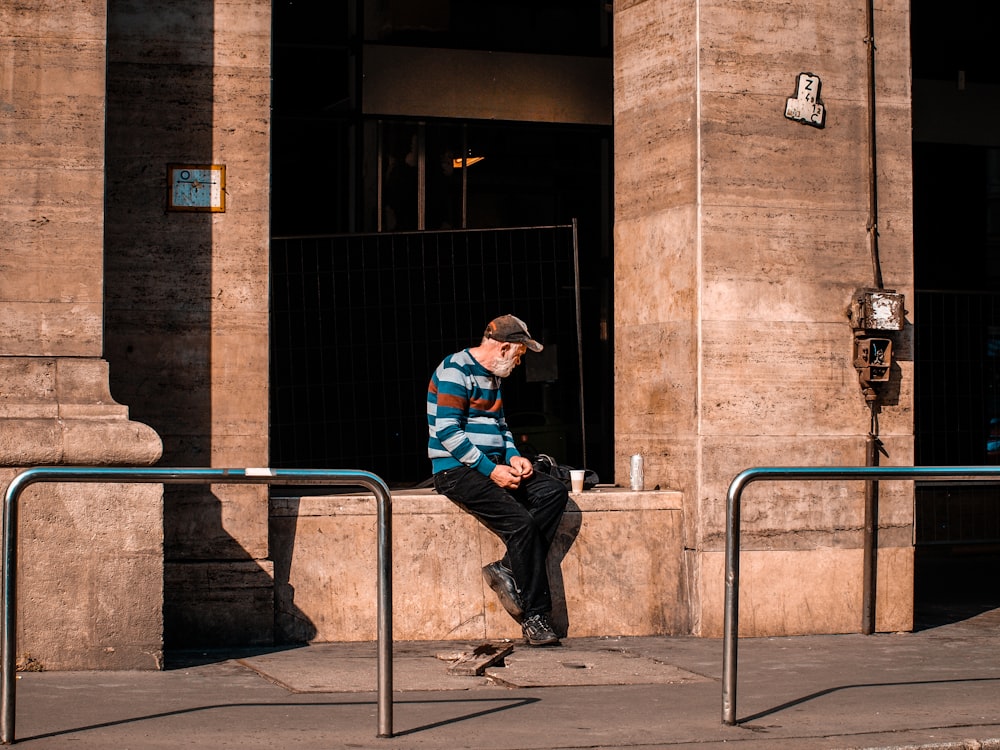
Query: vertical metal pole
x=8 y=624
x=731 y=618
x=579 y=340
x=872 y=153
x=871 y=445
x=384 y=610
x=421 y=176
x=870 y=541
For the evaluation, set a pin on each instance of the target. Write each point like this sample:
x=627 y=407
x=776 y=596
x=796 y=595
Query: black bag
x=544 y=464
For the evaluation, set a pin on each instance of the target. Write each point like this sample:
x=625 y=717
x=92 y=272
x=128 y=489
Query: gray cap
x=513 y=330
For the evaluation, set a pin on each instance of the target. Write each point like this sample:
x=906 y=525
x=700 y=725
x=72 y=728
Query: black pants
x=525 y=519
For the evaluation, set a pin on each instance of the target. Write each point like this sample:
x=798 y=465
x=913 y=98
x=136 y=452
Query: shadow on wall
x=160 y=313
x=215 y=593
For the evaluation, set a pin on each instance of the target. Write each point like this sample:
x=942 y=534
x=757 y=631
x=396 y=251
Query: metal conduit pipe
x=872 y=160
x=122 y=475
x=872 y=443
x=869 y=588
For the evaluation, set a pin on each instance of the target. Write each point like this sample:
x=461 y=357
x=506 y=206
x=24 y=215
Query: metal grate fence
x=957 y=402
x=358 y=323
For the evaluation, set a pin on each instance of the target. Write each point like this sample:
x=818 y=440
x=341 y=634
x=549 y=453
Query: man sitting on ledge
x=477 y=466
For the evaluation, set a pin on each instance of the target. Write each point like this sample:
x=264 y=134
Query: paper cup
x=576 y=479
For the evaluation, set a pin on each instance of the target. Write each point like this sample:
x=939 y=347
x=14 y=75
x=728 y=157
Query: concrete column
x=740 y=236
x=85 y=549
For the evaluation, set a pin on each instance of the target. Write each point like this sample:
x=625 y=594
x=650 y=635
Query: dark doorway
x=341 y=172
x=956 y=183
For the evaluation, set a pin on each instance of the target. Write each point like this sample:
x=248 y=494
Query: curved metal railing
x=123 y=475
x=731 y=621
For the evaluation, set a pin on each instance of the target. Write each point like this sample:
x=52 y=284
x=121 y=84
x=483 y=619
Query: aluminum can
x=635 y=472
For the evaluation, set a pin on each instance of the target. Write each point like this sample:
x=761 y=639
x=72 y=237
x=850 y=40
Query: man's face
x=508 y=358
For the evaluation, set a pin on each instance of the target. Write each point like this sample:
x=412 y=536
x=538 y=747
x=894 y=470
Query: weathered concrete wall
x=740 y=236
x=187 y=293
x=83 y=549
x=51 y=175
x=614 y=568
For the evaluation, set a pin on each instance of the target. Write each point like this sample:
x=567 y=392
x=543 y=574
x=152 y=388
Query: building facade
x=756 y=173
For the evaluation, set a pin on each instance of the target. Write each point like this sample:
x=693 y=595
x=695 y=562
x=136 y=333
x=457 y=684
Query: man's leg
x=545 y=497
x=526 y=531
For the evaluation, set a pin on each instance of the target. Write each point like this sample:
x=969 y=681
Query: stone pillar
x=187 y=292
x=84 y=549
x=740 y=235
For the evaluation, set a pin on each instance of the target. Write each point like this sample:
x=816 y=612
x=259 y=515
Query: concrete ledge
x=423 y=501
x=615 y=568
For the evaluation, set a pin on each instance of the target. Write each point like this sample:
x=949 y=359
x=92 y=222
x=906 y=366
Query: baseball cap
x=511 y=329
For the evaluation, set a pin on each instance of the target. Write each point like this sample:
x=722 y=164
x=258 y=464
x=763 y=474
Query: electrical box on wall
x=873 y=358
x=877 y=310
x=874 y=311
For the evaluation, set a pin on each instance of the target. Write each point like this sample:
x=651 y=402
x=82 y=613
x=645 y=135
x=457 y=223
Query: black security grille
x=359 y=322
x=957 y=403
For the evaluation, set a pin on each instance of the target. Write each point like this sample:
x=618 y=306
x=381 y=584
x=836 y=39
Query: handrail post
x=8 y=624
x=156 y=475
x=731 y=617
x=384 y=625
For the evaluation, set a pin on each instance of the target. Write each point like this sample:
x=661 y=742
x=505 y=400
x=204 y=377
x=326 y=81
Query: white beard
x=504 y=365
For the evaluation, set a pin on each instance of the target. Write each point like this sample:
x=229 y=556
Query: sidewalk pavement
x=937 y=688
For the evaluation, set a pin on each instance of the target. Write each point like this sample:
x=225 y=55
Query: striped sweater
x=465 y=416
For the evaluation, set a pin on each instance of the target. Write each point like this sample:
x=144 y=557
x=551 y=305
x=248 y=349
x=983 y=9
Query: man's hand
x=506 y=477
x=522 y=466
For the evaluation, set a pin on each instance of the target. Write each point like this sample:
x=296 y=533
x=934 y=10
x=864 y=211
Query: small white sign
x=806 y=106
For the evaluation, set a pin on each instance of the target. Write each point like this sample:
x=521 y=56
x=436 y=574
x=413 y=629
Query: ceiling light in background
x=469 y=161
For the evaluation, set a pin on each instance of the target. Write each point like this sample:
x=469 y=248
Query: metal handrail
x=122 y=475
x=731 y=618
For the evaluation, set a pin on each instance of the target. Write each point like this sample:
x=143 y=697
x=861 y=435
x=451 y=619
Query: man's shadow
x=569 y=528
x=216 y=595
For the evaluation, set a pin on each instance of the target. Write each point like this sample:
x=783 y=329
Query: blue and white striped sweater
x=465 y=416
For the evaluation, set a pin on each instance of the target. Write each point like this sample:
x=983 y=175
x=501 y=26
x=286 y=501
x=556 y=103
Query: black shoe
x=501 y=581
x=538 y=631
